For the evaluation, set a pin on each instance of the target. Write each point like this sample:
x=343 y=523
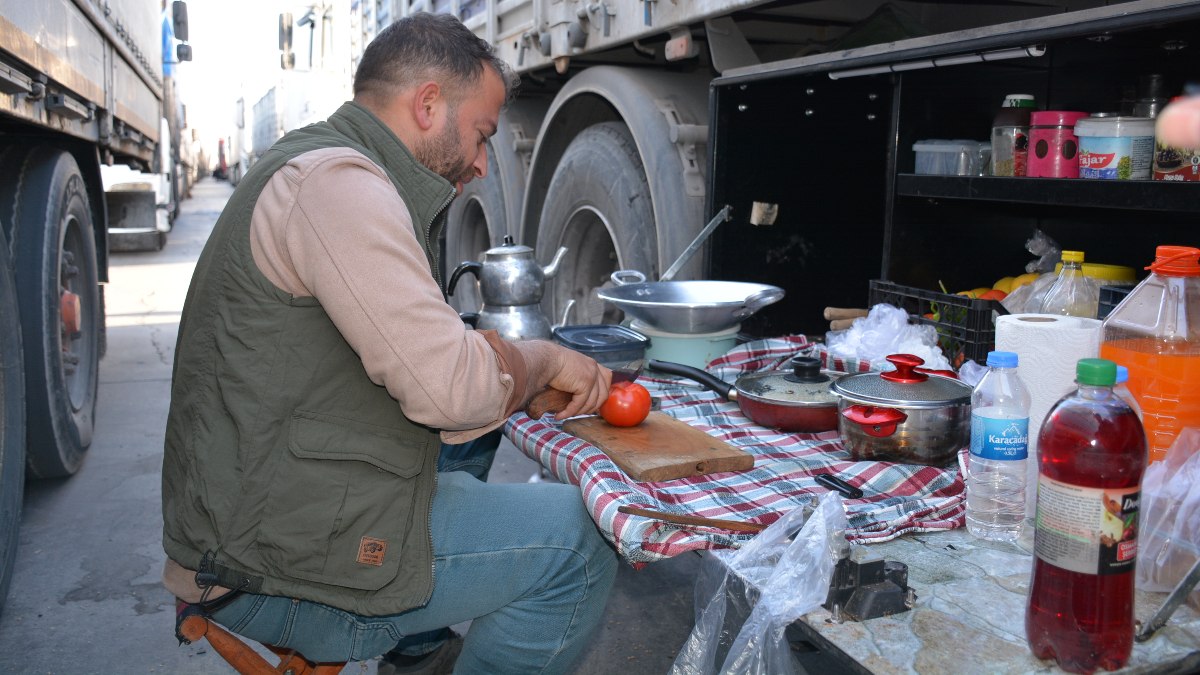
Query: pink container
x=1053 y=148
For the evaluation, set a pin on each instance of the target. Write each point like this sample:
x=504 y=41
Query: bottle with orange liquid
x=1091 y=455
x=1155 y=332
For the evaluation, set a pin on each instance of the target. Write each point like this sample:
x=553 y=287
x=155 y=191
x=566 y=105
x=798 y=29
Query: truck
x=607 y=148
x=309 y=88
x=81 y=88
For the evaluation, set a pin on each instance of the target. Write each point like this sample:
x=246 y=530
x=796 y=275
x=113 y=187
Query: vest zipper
x=429 y=540
x=433 y=259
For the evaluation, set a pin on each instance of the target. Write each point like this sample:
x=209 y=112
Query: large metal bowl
x=691 y=306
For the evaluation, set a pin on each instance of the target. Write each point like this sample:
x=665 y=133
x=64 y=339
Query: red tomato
x=627 y=405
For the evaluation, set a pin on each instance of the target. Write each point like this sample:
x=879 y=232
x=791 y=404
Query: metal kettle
x=511 y=284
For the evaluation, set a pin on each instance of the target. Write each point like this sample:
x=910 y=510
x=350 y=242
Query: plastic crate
x=1110 y=297
x=966 y=327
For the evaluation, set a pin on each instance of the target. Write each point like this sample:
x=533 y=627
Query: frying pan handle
x=705 y=378
x=757 y=301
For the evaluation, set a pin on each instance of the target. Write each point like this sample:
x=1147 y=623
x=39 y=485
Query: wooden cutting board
x=660 y=448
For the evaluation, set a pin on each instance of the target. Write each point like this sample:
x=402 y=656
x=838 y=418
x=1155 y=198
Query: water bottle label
x=1086 y=530
x=996 y=438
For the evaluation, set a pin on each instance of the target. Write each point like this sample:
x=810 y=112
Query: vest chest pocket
x=343 y=502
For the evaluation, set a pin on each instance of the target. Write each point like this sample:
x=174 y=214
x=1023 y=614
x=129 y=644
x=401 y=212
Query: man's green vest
x=286 y=470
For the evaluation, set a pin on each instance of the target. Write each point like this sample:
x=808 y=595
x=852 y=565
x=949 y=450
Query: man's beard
x=441 y=155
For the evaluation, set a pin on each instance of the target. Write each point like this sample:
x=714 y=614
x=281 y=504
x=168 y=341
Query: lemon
x=974 y=292
x=1024 y=279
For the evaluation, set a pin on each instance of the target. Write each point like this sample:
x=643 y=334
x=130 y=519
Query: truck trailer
x=605 y=149
x=81 y=88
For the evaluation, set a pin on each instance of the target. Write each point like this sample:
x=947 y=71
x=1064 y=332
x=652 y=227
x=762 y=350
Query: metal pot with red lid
x=911 y=414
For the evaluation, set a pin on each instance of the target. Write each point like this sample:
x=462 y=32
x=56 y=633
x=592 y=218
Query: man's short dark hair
x=425 y=47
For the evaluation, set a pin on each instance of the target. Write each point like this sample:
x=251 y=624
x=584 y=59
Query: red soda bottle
x=1091 y=455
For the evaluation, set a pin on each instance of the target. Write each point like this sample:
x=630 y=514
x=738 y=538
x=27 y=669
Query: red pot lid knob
x=906 y=369
x=875 y=421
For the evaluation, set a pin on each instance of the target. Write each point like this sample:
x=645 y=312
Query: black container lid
x=600 y=338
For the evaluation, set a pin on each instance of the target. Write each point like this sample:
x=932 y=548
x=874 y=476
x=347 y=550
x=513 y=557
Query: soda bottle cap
x=1122 y=374
x=1096 y=372
x=1072 y=256
x=1176 y=261
x=1002 y=359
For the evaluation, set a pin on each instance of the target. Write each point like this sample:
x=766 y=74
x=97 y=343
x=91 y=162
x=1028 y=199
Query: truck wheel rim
x=593 y=256
x=73 y=318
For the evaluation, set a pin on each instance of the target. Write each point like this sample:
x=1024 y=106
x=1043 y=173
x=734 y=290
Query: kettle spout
x=550 y=270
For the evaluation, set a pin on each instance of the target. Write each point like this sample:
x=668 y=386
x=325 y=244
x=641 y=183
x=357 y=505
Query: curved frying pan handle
x=705 y=378
x=757 y=301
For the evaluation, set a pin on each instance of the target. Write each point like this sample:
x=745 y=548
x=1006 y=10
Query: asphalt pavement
x=86 y=594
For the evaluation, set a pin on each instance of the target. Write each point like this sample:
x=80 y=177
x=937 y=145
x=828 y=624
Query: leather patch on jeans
x=371 y=551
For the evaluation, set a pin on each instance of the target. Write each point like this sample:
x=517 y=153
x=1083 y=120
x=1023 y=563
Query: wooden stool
x=244 y=659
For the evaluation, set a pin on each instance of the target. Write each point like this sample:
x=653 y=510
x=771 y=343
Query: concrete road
x=86 y=596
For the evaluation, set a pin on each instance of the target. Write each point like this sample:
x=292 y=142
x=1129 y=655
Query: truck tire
x=55 y=260
x=599 y=207
x=12 y=422
x=476 y=219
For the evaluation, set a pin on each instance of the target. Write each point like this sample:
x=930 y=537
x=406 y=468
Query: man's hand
x=579 y=376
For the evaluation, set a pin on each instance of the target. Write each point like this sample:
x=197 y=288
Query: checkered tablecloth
x=898 y=498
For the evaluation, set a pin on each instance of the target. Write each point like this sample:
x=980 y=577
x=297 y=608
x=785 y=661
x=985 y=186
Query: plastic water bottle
x=1073 y=293
x=999 y=448
x=1121 y=389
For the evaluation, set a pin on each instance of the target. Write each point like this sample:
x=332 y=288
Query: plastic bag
x=783 y=579
x=1028 y=298
x=885 y=330
x=1046 y=249
x=1169 y=542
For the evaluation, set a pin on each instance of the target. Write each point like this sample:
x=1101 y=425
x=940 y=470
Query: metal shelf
x=1134 y=195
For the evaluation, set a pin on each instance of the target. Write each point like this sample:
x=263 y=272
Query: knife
x=837 y=484
x=551 y=400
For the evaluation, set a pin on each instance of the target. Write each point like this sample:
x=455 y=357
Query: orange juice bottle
x=1155 y=333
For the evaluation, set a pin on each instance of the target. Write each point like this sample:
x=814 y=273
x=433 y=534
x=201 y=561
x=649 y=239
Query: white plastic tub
x=1115 y=148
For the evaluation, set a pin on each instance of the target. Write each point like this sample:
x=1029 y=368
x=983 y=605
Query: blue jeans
x=475 y=457
x=523 y=561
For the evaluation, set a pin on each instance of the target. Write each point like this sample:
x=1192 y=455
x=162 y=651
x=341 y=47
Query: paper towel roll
x=1048 y=347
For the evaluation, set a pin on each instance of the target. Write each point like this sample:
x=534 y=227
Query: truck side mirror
x=183 y=53
x=287 y=60
x=285 y=32
x=179 y=21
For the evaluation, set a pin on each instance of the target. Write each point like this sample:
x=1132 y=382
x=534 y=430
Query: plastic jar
x=1176 y=163
x=1115 y=148
x=1053 y=147
x=1010 y=135
x=1155 y=333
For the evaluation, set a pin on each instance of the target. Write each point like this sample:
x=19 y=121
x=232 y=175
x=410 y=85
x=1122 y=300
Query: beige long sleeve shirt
x=330 y=225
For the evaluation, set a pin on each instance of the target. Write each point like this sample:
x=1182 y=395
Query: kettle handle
x=463 y=267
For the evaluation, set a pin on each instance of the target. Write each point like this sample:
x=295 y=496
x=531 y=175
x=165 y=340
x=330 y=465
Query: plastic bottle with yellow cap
x=1073 y=293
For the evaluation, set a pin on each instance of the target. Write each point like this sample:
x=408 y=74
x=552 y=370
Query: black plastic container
x=613 y=346
x=965 y=326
